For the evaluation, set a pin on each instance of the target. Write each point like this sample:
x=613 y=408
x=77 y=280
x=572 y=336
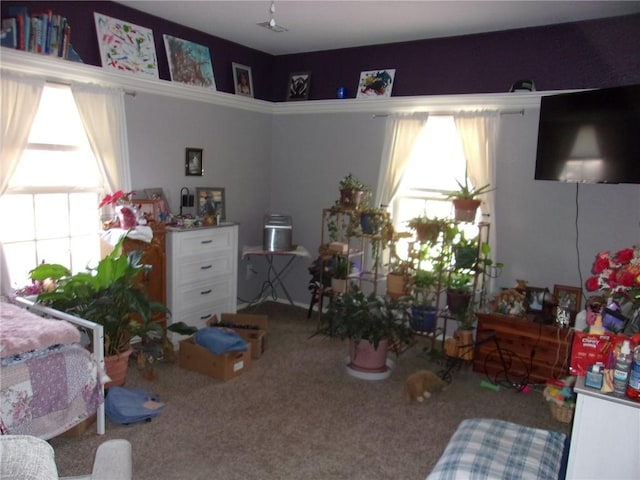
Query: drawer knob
x=206 y=292
x=206 y=241
x=205 y=267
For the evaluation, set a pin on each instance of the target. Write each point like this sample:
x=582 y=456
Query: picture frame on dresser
x=211 y=201
x=535 y=299
x=148 y=209
x=568 y=297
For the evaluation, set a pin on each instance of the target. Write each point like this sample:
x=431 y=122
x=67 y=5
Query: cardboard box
x=224 y=367
x=257 y=338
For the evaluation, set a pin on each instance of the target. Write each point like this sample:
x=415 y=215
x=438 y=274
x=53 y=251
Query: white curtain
x=103 y=116
x=400 y=137
x=479 y=133
x=18 y=106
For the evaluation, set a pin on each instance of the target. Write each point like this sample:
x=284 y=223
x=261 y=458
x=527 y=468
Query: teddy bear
x=421 y=384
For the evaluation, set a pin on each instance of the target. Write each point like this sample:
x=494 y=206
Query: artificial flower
x=118 y=198
x=617 y=275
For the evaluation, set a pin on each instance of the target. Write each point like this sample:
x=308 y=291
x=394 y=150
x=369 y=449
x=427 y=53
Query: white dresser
x=605 y=439
x=202 y=273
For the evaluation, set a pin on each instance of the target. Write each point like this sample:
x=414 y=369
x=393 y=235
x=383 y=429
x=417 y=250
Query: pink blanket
x=22 y=331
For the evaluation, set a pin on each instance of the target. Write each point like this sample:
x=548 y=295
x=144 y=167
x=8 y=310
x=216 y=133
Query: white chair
x=25 y=457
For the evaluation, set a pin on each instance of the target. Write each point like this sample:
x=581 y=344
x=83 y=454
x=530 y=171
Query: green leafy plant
x=467 y=192
x=357 y=316
x=351 y=182
x=340 y=267
x=460 y=281
x=107 y=295
x=466 y=318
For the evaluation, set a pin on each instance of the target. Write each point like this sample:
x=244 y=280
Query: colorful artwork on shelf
x=189 y=62
x=126 y=47
x=376 y=83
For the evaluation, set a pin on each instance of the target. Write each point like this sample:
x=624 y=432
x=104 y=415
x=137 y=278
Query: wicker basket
x=562 y=413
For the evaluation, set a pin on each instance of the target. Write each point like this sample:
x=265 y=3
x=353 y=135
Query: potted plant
x=107 y=295
x=464 y=199
x=373 y=325
x=459 y=285
x=340 y=269
x=427 y=229
x=423 y=311
x=353 y=192
x=464 y=333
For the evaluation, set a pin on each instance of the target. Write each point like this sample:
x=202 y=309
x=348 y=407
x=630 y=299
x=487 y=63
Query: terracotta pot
x=397 y=285
x=464 y=343
x=351 y=198
x=116 y=367
x=365 y=358
x=465 y=209
x=339 y=285
x=457 y=302
x=428 y=232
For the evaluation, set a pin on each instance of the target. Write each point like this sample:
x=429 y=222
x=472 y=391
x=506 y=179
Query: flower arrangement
x=617 y=275
x=118 y=198
x=125 y=211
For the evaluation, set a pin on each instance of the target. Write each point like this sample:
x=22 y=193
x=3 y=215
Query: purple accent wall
x=589 y=54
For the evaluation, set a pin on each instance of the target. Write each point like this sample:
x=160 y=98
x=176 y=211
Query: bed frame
x=97 y=337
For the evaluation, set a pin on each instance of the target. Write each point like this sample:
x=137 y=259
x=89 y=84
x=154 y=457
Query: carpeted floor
x=297 y=415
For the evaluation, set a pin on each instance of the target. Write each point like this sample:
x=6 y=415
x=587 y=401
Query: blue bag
x=220 y=340
x=130 y=405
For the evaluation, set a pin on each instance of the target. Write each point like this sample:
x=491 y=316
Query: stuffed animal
x=421 y=384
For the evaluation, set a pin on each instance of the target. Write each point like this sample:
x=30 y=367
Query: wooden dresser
x=154 y=279
x=531 y=350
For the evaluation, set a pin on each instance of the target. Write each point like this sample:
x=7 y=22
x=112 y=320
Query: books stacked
x=45 y=32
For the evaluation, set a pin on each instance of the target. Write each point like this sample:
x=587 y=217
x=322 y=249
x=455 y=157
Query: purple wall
x=590 y=54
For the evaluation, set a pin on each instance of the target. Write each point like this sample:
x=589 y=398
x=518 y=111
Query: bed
x=487 y=448
x=50 y=382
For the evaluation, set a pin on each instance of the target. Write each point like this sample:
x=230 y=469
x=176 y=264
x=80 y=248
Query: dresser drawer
x=194 y=269
x=205 y=292
x=203 y=242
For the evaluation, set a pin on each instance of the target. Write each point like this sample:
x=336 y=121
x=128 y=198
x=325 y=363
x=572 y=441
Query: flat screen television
x=590 y=136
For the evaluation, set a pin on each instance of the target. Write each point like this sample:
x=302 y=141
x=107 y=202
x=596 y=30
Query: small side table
x=274 y=276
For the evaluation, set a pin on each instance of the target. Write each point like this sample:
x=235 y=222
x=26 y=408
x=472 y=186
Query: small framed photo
x=568 y=297
x=299 y=86
x=242 y=79
x=147 y=209
x=193 y=165
x=376 y=83
x=535 y=298
x=210 y=202
x=157 y=194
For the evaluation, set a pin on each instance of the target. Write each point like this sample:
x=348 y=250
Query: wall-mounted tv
x=590 y=136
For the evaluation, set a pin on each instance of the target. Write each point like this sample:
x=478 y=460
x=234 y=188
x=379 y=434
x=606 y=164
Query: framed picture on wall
x=210 y=202
x=242 y=80
x=299 y=86
x=194 y=165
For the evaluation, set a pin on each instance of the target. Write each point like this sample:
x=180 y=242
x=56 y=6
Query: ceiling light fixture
x=271 y=24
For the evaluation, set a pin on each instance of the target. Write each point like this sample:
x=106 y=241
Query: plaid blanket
x=483 y=448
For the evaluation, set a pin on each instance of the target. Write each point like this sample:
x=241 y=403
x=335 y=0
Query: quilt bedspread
x=46 y=394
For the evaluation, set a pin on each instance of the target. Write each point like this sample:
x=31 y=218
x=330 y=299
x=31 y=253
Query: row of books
x=44 y=32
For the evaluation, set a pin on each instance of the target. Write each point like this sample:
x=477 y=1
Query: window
x=436 y=162
x=50 y=207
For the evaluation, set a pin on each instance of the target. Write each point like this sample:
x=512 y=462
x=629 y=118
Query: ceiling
x=326 y=25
